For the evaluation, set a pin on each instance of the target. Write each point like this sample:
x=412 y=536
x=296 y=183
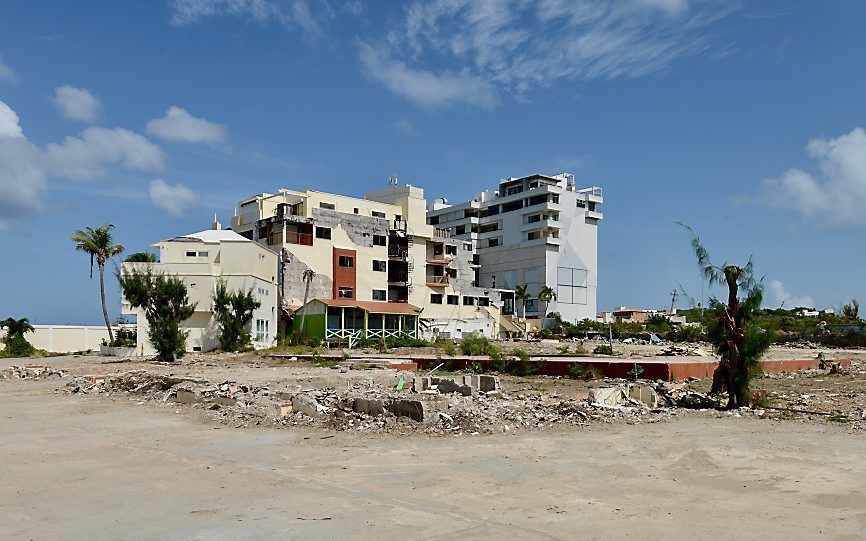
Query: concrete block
x=420 y=384
x=488 y=383
x=414 y=409
x=608 y=396
x=448 y=385
x=368 y=406
x=224 y=400
x=187 y=397
x=306 y=405
x=644 y=394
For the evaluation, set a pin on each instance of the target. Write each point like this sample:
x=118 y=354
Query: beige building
x=200 y=260
x=379 y=249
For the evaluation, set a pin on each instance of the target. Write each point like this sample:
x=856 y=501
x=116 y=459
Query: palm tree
x=100 y=245
x=546 y=294
x=16 y=326
x=521 y=291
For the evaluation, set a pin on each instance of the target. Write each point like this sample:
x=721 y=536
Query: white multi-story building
x=536 y=230
x=202 y=259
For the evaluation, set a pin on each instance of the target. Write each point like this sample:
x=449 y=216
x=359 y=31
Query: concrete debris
x=638 y=395
x=453 y=405
x=31 y=371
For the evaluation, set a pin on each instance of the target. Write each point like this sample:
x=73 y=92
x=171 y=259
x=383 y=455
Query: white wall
x=66 y=338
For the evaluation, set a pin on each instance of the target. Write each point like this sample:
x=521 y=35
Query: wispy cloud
x=837 y=194
x=76 y=103
x=516 y=46
x=775 y=296
x=175 y=200
x=289 y=13
x=425 y=87
x=7 y=74
x=403 y=125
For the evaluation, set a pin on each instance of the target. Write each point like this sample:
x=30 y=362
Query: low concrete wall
x=66 y=338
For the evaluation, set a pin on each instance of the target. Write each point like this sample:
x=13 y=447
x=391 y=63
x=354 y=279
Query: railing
x=594 y=191
x=440 y=281
x=349 y=335
x=441 y=232
x=391 y=333
x=293 y=237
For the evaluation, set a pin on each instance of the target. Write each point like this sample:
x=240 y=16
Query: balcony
x=593 y=194
x=398 y=252
x=594 y=215
x=437 y=281
x=398 y=277
x=438 y=260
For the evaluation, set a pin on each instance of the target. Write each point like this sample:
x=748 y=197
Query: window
x=346 y=261
x=263 y=292
x=452 y=299
x=581 y=203
x=460 y=230
x=468 y=301
x=483 y=301
x=571 y=285
x=492 y=243
x=380 y=295
x=514 y=205
x=380 y=240
x=492 y=210
x=532 y=235
x=450 y=249
x=380 y=266
x=345 y=293
x=533 y=218
x=514 y=190
x=467 y=246
x=452 y=273
x=262 y=330
x=323 y=233
x=190 y=254
x=533 y=184
x=398 y=218
x=435 y=298
x=536 y=200
x=433 y=220
x=377 y=214
x=554 y=198
x=355 y=210
x=329 y=206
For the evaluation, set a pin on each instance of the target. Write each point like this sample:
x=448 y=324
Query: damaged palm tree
x=738 y=342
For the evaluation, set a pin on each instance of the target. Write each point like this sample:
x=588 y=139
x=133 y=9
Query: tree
x=307 y=277
x=166 y=305
x=234 y=311
x=851 y=311
x=141 y=257
x=736 y=338
x=100 y=245
x=546 y=294
x=521 y=291
x=16 y=344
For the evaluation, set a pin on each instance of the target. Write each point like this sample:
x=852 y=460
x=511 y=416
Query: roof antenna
x=392 y=181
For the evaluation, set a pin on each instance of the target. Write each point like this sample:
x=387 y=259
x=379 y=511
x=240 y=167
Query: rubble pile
x=454 y=405
x=31 y=371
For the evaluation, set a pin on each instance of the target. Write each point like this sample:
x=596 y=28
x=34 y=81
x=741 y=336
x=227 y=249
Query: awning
x=373 y=306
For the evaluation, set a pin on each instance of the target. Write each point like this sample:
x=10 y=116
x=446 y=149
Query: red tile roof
x=373 y=306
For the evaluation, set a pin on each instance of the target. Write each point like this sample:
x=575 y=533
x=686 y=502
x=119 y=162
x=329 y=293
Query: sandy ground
x=94 y=467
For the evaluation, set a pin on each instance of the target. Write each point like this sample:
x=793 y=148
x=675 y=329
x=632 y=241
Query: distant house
x=808 y=312
x=630 y=315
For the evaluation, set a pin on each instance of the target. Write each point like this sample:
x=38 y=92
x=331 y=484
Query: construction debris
x=31 y=371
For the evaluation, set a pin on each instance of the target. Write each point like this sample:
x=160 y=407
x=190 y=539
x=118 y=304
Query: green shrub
x=234 y=311
x=520 y=354
x=585 y=372
x=476 y=344
x=449 y=349
x=636 y=371
x=603 y=349
x=17 y=346
x=562 y=349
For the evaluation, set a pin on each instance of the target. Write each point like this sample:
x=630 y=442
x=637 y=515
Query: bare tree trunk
x=104 y=307
x=307 y=279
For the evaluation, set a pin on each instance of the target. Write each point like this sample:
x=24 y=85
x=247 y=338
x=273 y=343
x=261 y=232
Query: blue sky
x=742 y=119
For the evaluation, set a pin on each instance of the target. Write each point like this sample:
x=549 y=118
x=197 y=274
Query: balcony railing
x=398 y=252
x=437 y=281
x=398 y=277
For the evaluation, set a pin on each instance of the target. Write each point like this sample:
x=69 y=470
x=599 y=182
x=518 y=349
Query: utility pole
x=674 y=295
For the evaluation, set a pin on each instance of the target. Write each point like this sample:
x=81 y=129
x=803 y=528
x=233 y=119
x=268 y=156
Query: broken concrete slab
x=644 y=394
x=608 y=396
x=488 y=383
x=224 y=400
x=414 y=409
x=306 y=405
x=184 y=396
x=284 y=410
x=368 y=406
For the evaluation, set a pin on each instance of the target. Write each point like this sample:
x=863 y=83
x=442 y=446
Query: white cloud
x=775 y=296
x=405 y=126
x=425 y=87
x=290 y=13
x=516 y=46
x=76 y=103
x=85 y=157
x=175 y=200
x=837 y=195
x=179 y=126
x=7 y=74
x=22 y=178
x=9 y=126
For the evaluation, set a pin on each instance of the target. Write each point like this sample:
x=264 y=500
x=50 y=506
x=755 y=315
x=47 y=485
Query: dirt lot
x=109 y=465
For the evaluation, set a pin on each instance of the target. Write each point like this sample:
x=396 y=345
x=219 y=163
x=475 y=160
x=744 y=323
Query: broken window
x=345 y=293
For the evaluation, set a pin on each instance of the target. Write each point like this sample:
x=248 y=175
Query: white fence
x=66 y=338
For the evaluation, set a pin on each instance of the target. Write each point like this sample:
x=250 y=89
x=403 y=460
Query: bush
x=166 y=305
x=603 y=349
x=636 y=371
x=449 y=349
x=584 y=371
x=234 y=311
x=15 y=343
x=298 y=338
x=520 y=354
x=476 y=344
x=123 y=338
